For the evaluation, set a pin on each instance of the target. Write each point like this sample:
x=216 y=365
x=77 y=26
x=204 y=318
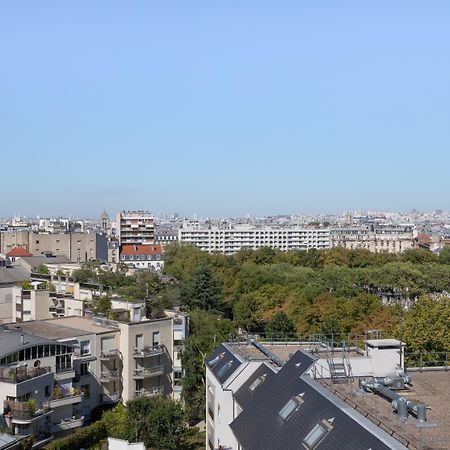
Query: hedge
x=82 y=438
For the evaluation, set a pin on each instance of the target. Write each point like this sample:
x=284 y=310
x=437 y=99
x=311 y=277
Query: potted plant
x=32 y=406
x=57 y=392
x=12 y=374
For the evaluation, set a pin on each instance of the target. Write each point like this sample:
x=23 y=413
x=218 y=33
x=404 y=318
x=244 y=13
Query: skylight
x=317 y=434
x=224 y=368
x=292 y=405
x=257 y=382
x=214 y=361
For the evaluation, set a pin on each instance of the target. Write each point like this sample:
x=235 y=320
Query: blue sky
x=224 y=107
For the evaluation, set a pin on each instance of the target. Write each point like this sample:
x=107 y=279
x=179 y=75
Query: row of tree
x=298 y=293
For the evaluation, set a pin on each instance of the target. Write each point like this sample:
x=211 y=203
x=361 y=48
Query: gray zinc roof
x=12 y=275
x=223 y=363
x=261 y=425
x=10 y=340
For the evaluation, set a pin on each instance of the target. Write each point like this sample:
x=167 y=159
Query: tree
x=207 y=331
x=280 y=325
x=426 y=325
x=116 y=422
x=201 y=290
x=42 y=269
x=158 y=422
x=101 y=304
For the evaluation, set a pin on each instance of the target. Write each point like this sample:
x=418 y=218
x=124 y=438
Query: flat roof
x=430 y=387
x=384 y=342
x=64 y=327
x=11 y=339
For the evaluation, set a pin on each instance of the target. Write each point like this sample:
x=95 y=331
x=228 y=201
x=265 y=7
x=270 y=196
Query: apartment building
x=311 y=395
x=135 y=228
x=38 y=303
x=67 y=366
x=229 y=239
x=77 y=247
x=180 y=333
x=142 y=256
x=393 y=239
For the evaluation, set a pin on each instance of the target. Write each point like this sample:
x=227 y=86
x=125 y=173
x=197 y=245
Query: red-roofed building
x=18 y=252
x=142 y=256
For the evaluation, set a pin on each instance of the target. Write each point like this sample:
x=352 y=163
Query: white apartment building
x=377 y=240
x=273 y=396
x=135 y=227
x=229 y=239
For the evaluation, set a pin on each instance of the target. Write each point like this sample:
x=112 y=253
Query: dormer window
x=257 y=382
x=291 y=406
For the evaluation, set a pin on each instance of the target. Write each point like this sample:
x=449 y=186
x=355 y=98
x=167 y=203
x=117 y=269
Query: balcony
x=68 y=424
x=65 y=400
x=64 y=371
x=147 y=372
x=20 y=374
x=23 y=413
x=83 y=357
x=110 y=398
x=154 y=392
x=109 y=375
x=147 y=352
x=109 y=355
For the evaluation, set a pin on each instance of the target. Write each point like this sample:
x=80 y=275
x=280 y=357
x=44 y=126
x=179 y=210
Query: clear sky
x=224 y=107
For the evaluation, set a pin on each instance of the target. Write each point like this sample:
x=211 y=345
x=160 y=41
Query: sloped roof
x=141 y=250
x=13 y=275
x=244 y=394
x=260 y=426
x=18 y=252
x=222 y=363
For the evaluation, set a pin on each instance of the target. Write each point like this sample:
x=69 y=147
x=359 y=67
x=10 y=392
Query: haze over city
x=224 y=109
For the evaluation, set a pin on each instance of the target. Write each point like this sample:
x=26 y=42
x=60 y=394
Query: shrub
x=82 y=438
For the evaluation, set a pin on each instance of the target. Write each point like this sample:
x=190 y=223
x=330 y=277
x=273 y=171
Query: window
x=317 y=434
x=47 y=391
x=215 y=360
x=223 y=370
x=155 y=338
x=84 y=369
x=257 y=382
x=177 y=377
x=292 y=405
x=85 y=348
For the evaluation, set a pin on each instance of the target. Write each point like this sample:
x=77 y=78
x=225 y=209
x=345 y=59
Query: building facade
x=230 y=239
x=77 y=247
x=142 y=256
x=135 y=228
x=375 y=239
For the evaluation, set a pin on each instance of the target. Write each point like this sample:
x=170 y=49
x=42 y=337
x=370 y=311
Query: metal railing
x=427 y=360
x=20 y=374
x=148 y=351
x=148 y=371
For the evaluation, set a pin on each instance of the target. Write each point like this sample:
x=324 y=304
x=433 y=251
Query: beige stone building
x=395 y=240
x=77 y=247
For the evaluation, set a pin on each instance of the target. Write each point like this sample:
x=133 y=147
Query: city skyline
x=224 y=109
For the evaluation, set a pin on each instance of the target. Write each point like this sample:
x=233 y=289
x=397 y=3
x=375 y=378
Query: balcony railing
x=68 y=423
x=109 y=354
x=69 y=399
x=109 y=375
x=110 y=398
x=146 y=372
x=23 y=411
x=147 y=351
x=20 y=374
x=156 y=391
